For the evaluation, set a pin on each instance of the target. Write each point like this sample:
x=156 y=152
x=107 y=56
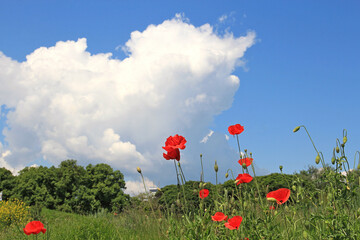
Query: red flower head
x=235 y=129
x=203 y=193
x=219 y=216
x=172 y=154
x=247 y=161
x=34 y=227
x=174 y=142
x=243 y=178
x=272 y=208
x=280 y=196
x=233 y=223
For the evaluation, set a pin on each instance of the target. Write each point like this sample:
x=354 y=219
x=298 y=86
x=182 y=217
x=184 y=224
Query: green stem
x=310 y=138
x=355 y=159
x=177 y=174
x=202 y=169
x=182 y=173
x=237 y=138
x=149 y=200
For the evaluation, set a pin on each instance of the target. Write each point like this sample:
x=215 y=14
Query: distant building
x=153 y=190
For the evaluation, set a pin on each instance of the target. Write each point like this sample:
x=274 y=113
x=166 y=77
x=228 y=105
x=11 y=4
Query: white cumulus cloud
x=68 y=103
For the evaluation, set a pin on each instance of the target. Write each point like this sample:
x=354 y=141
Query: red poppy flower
x=243 y=178
x=247 y=161
x=172 y=154
x=272 y=208
x=233 y=223
x=34 y=227
x=173 y=142
x=280 y=196
x=203 y=193
x=235 y=129
x=219 y=216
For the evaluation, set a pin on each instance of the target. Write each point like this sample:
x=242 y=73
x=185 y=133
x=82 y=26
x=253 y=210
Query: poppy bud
x=317 y=159
x=293 y=187
x=281 y=168
x=337 y=149
x=227 y=175
x=216 y=167
x=200 y=155
x=245 y=203
x=342 y=145
x=159 y=189
x=244 y=165
x=245 y=150
x=344 y=139
x=138 y=169
x=296 y=129
x=333 y=160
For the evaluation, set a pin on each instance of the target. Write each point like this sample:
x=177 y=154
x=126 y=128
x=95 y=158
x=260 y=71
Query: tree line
x=68 y=187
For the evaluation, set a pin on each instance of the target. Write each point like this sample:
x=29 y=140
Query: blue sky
x=302 y=68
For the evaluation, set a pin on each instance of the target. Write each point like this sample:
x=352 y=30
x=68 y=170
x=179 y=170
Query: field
x=314 y=204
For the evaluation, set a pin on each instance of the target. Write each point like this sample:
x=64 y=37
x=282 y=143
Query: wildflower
x=172 y=154
x=247 y=161
x=233 y=223
x=34 y=227
x=203 y=193
x=280 y=196
x=174 y=142
x=219 y=216
x=235 y=129
x=243 y=178
x=272 y=208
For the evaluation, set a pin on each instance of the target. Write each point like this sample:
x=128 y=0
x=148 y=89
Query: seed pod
x=317 y=159
x=296 y=129
x=138 y=169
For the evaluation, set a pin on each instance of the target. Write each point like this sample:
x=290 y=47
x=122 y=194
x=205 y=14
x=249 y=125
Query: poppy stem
x=177 y=174
x=237 y=138
x=355 y=159
x=182 y=173
x=202 y=169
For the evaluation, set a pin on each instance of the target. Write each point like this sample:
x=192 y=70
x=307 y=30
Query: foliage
x=13 y=212
x=69 y=188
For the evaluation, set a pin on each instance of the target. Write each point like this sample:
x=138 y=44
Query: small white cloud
x=205 y=139
x=223 y=18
